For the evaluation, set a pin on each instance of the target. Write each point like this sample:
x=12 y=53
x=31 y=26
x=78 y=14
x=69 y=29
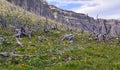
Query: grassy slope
x=55 y=55
x=14 y=14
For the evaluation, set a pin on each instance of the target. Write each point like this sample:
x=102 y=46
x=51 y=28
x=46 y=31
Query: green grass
x=51 y=55
x=54 y=54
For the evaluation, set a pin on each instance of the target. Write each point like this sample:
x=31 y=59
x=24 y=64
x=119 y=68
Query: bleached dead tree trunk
x=46 y=25
x=106 y=36
x=18 y=42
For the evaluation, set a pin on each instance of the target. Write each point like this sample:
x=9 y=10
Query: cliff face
x=41 y=7
x=36 y=6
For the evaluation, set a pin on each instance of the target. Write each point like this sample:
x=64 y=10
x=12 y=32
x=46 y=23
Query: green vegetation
x=50 y=53
x=15 y=15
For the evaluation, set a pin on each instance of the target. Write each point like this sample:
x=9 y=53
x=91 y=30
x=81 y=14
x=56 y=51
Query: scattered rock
x=11 y=56
x=68 y=37
x=4 y=56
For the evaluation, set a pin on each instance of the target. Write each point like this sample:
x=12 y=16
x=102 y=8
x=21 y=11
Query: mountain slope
x=77 y=20
x=49 y=50
x=12 y=15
